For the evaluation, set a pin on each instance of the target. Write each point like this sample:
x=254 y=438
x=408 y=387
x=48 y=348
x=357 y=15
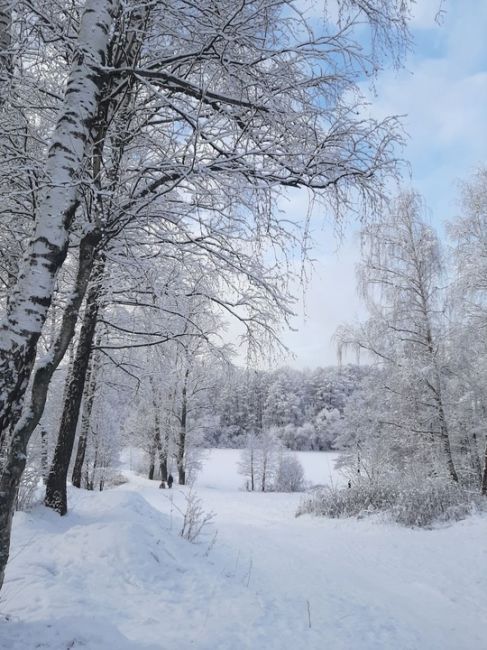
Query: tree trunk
x=264 y=473
x=90 y=480
x=163 y=465
x=438 y=398
x=152 y=462
x=58 y=200
x=9 y=483
x=181 y=475
x=445 y=441
x=484 y=472
x=181 y=453
x=474 y=455
x=161 y=454
x=56 y=496
x=46 y=367
x=161 y=448
x=44 y=455
x=13 y=465
x=30 y=301
x=88 y=401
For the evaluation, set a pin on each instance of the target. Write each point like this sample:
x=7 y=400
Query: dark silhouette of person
x=170 y=481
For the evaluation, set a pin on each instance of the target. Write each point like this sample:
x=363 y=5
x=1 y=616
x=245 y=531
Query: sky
x=442 y=94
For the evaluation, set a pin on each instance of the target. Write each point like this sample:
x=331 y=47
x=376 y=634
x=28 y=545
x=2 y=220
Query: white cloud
x=443 y=94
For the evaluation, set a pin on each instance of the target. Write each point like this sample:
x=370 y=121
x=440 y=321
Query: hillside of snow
x=115 y=574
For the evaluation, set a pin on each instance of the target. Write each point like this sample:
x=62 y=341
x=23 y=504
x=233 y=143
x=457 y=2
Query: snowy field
x=114 y=574
x=220 y=469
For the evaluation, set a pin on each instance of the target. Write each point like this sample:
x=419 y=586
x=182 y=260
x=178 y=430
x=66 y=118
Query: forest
x=148 y=269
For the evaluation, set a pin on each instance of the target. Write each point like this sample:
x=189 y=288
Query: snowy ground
x=114 y=574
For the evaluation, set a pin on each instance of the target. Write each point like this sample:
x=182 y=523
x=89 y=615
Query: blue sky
x=442 y=92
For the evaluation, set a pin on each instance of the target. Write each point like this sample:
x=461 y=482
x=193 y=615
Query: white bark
x=29 y=303
x=32 y=295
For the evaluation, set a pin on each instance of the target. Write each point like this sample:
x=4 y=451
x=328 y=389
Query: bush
x=410 y=503
x=334 y=502
x=425 y=503
x=289 y=475
x=195 y=518
x=115 y=479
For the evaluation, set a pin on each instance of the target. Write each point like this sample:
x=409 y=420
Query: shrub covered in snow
x=333 y=501
x=289 y=475
x=429 y=501
x=407 y=502
x=195 y=518
x=114 y=479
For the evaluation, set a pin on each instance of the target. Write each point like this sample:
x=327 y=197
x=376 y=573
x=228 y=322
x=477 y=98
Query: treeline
x=303 y=408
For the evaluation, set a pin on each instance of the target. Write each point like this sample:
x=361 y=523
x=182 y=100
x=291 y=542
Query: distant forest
x=304 y=408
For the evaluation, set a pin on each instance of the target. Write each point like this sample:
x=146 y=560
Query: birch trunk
x=58 y=201
x=181 y=453
x=445 y=440
x=16 y=449
x=436 y=387
x=46 y=368
x=44 y=455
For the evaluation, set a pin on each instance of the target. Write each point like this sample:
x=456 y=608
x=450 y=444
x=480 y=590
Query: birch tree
x=31 y=297
x=90 y=266
x=469 y=234
x=400 y=279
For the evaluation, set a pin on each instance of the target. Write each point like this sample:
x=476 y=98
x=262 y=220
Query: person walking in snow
x=170 y=481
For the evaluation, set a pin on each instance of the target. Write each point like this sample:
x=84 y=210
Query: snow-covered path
x=271 y=581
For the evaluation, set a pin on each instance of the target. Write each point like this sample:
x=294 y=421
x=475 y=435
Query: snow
x=220 y=469
x=115 y=574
